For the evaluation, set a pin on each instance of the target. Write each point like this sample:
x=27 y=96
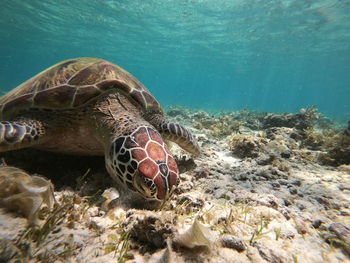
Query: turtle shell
x=74 y=83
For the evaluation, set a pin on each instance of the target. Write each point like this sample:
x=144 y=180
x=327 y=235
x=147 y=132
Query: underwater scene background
x=276 y=56
x=257 y=84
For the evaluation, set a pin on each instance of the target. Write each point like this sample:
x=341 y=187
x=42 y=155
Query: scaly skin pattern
x=142 y=162
x=17 y=134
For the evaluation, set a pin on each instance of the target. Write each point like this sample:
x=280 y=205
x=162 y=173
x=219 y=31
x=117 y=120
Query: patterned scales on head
x=90 y=106
x=144 y=149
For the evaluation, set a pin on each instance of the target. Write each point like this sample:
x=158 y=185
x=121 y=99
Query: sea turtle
x=89 y=106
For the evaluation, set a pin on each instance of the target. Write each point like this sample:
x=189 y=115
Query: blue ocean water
x=262 y=55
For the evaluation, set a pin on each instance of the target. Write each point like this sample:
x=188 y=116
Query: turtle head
x=143 y=163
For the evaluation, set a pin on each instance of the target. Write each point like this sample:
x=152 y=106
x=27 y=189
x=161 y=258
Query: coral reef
x=333 y=144
x=246 y=145
x=337 y=150
x=246 y=130
x=218 y=127
x=301 y=121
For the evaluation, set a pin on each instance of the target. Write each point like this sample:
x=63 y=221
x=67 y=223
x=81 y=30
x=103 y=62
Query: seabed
x=266 y=188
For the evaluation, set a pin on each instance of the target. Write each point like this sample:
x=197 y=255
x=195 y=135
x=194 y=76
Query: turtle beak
x=152 y=189
x=142 y=185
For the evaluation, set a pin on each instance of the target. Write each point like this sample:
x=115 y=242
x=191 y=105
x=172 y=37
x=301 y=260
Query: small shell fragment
x=197 y=235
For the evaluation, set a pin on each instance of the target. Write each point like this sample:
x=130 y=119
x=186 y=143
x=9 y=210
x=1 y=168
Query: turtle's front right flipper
x=20 y=134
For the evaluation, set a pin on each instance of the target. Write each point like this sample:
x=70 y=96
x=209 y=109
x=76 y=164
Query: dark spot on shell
x=129 y=177
x=149 y=183
x=163 y=169
x=134 y=164
x=130 y=169
x=118 y=144
x=122 y=168
x=124 y=158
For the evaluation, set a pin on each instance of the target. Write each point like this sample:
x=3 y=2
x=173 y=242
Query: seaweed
x=337 y=150
x=333 y=144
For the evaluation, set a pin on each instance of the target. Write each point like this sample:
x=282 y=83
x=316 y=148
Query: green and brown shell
x=74 y=83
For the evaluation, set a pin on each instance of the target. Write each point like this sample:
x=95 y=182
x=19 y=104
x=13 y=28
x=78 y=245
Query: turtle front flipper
x=176 y=133
x=19 y=134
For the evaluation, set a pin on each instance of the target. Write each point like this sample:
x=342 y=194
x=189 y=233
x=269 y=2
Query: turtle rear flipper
x=19 y=134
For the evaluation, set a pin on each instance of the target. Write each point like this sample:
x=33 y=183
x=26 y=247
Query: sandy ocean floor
x=266 y=188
